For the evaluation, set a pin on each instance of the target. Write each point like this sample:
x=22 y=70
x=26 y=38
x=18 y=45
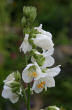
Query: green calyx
x=26 y=30
x=32 y=68
x=38 y=57
x=44 y=70
x=14 y=84
x=15 y=89
x=32 y=35
x=32 y=43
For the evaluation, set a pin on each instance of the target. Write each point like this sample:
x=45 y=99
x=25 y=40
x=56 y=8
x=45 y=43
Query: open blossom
x=43 y=41
x=7 y=91
x=25 y=46
x=43 y=83
x=31 y=72
x=47 y=80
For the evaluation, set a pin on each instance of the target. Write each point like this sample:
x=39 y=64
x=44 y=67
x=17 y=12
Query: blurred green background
x=56 y=17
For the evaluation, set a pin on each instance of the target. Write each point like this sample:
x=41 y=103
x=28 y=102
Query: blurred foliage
x=56 y=17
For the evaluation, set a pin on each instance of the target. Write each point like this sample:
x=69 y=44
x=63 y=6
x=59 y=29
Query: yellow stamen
x=33 y=74
x=41 y=85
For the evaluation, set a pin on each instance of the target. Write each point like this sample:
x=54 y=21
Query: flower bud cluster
x=29 y=16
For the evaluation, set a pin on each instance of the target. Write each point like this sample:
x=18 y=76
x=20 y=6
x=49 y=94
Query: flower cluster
x=39 y=70
x=12 y=89
x=39 y=46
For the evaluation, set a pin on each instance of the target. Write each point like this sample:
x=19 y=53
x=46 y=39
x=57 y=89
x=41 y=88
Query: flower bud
x=23 y=21
x=17 y=76
x=30 y=12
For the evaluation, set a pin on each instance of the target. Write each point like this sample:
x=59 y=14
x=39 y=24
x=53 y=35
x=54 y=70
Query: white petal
x=39 y=28
x=25 y=76
x=49 y=52
x=49 y=61
x=33 y=59
x=46 y=33
x=25 y=47
x=6 y=92
x=50 y=82
x=53 y=71
x=43 y=32
x=41 y=75
x=14 y=98
x=43 y=41
x=26 y=37
x=10 y=78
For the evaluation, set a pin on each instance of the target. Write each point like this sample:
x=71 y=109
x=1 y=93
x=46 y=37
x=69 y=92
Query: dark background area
x=56 y=17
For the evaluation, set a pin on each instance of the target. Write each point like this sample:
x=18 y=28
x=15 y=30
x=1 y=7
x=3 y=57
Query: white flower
x=32 y=71
x=25 y=46
x=43 y=41
x=43 y=83
x=7 y=91
x=49 y=60
x=47 y=80
x=8 y=94
x=43 y=31
x=53 y=108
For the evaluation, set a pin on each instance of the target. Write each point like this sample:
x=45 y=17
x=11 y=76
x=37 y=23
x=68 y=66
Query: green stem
x=28 y=102
x=25 y=98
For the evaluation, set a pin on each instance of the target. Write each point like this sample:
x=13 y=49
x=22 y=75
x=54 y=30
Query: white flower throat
x=41 y=84
x=33 y=74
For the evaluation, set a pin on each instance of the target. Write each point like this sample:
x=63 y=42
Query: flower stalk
x=28 y=102
x=25 y=97
x=38 y=49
